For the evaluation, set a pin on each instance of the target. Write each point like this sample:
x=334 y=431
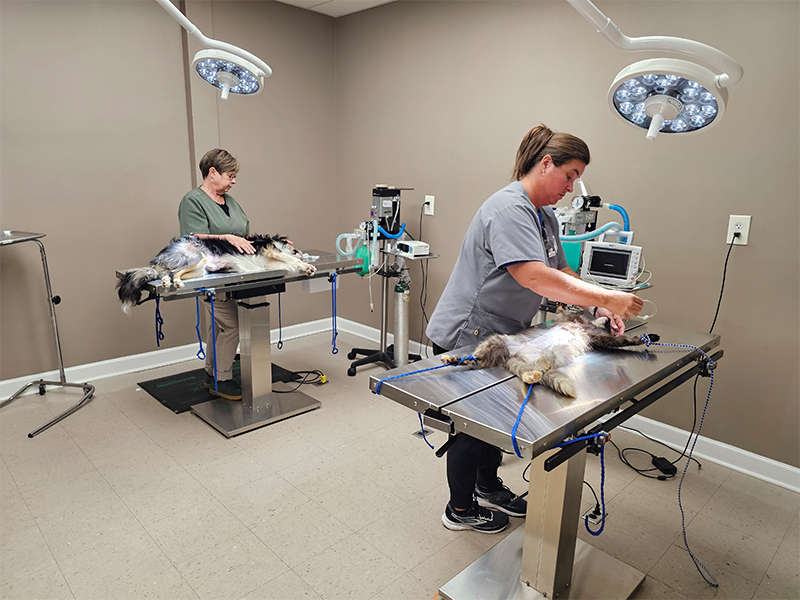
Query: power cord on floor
x=303 y=378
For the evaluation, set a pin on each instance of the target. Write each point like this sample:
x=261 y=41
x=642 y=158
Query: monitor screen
x=611 y=263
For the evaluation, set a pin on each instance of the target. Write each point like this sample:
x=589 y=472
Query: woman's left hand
x=242 y=245
x=617 y=324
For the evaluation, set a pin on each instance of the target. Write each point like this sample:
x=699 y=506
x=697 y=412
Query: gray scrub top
x=481 y=297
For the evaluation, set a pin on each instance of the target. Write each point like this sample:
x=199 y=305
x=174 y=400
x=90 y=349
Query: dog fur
x=539 y=358
x=189 y=257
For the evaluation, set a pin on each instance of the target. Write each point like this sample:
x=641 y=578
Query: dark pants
x=469 y=461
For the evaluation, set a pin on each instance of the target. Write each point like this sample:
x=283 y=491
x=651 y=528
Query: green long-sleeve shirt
x=198 y=213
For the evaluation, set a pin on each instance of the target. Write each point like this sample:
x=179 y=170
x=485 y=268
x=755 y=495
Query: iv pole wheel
x=351 y=371
x=42 y=389
x=351 y=356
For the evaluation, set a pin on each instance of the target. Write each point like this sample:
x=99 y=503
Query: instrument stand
x=15 y=237
x=385 y=354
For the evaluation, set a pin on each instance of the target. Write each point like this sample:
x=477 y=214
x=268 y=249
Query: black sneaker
x=477 y=518
x=208 y=380
x=502 y=499
x=229 y=389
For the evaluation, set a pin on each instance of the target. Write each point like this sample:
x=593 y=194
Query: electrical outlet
x=429 y=205
x=738 y=224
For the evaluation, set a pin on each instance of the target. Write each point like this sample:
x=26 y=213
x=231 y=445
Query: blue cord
x=602 y=477
x=334 y=349
x=380 y=383
x=701 y=568
x=519 y=418
x=280 y=325
x=200 y=353
x=602 y=496
x=422 y=430
x=159 y=324
x=213 y=334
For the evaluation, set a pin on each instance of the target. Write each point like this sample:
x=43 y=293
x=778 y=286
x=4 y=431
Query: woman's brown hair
x=541 y=141
x=221 y=160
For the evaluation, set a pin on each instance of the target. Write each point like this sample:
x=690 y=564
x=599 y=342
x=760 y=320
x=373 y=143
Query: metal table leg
x=259 y=406
x=545 y=559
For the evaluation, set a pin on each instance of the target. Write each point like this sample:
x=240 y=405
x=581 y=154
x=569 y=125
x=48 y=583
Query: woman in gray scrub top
x=510 y=258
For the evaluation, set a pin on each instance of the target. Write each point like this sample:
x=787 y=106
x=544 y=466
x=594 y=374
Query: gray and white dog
x=189 y=257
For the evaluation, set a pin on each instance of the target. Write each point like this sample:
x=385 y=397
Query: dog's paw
x=166 y=281
x=449 y=360
x=654 y=337
x=308 y=269
x=532 y=376
x=178 y=283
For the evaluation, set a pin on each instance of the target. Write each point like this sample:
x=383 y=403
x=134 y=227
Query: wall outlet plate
x=740 y=224
x=429 y=206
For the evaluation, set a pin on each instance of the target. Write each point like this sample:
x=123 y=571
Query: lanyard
x=547 y=242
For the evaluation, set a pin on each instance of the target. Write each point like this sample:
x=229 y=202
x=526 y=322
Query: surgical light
x=669 y=95
x=225 y=66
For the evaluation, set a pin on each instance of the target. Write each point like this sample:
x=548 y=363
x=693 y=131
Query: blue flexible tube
x=592 y=234
x=392 y=236
x=626 y=222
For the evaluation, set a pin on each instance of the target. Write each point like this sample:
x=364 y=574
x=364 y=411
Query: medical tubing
x=701 y=568
x=159 y=324
x=422 y=431
x=626 y=222
x=280 y=326
x=392 y=236
x=335 y=331
x=592 y=234
x=213 y=334
x=339 y=248
x=200 y=353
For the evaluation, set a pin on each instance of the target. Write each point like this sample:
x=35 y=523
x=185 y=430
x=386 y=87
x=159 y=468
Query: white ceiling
x=336 y=8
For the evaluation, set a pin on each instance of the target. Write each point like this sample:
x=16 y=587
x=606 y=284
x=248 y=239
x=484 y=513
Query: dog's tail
x=129 y=287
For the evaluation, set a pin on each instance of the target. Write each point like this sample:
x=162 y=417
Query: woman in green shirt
x=210 y=212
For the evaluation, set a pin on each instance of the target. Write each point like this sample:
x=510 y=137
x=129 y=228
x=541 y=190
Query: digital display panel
x=609 y=262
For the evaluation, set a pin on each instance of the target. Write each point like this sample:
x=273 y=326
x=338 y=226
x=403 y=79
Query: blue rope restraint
x=701 y=568
x=280 y=325
x=604 y=435
x=334 y=349
x=213 y=334
x=200 y=353
x=380 y=383
x=516 y=424
x=159 y=324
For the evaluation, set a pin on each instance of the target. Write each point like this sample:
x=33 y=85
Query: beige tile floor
x=125 y=499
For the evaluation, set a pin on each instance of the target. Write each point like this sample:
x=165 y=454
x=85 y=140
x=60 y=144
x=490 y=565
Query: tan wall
x=437 y=96
x=430 y=95
x=101 y=170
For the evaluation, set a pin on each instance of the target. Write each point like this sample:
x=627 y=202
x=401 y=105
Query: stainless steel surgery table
x=259 y=405
x=545 y=558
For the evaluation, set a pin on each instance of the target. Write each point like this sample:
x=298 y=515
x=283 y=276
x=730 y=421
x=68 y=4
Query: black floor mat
x=179 y=392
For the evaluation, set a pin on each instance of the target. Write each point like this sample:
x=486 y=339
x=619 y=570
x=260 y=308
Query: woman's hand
x=242 y=245
x=624 y=304
x=616 y=322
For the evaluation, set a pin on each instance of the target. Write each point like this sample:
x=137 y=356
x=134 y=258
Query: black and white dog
x=189 y=257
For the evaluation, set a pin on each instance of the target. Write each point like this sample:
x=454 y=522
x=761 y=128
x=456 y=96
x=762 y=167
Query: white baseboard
x=743 y=461
x=760 y=467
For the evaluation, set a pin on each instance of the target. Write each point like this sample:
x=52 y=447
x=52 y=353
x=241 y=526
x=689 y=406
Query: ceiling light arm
x=732 y=71
x=266 y=71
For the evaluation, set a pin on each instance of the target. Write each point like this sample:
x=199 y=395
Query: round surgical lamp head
x=667 y=95
x=228 y=72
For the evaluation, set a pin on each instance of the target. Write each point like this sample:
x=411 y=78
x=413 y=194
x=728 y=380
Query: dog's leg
x=189 y=272
x=297 y=264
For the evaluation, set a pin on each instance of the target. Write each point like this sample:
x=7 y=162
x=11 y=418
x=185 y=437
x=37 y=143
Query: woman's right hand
x=624 y=304
x=242 y=245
